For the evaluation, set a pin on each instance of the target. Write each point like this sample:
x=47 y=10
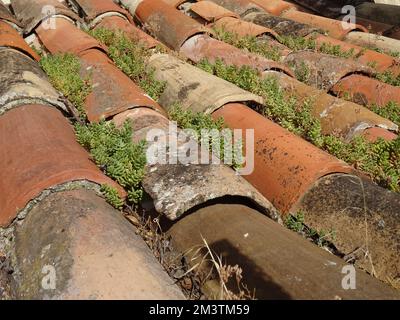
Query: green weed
x=390 y=111
x=297 y=224
x=114 y=152
x=112 y=197
x=199 y=121
x=249 y=43
x=64 y=74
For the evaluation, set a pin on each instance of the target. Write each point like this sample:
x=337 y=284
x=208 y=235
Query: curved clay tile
x=369 y=40
x=32 y=13
x=366 y=91
x=335 y=115
x=175 y=3
x=22 y=82
x=373 y=134
x=94 y=250
x=211 y=12
x=74 y=41
x=112 y=91
x=280 y=25
x=336 y=29
x=362 y=206
x=130 y=5
x=6 y=15
x=325 y=70
x=167 y=24
x=190 y=184
x=239 y=6
x=39 y=151
x=94 y=8
x=244 y=28
x=393 y=32
x=202 y=47
x=381 y=61
x=119 y=24
x=274 y=7
x=384 y=13
x=194 y=88
x=378 y=28
x=285 y=165
x=9 y=37
x=289 y=267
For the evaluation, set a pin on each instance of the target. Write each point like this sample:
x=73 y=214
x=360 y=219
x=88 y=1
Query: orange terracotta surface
x=167 y=24
x=203 y=46
x=274 y=7
x=39 y=150
x=336 y=116
x=382 y=61
x=74 y=40
x=372 y=134
x=9 y=37
x=364 y=90
x=174 y=3
x=211 y=12
x=285 y=165
x=112 y=91
x=244 y=28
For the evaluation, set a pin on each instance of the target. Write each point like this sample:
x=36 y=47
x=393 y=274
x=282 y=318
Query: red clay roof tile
x=366 y=91
x=9 y=37
x=204 y=47
x=285 y=165
x=94 y=250
x=40 y=150
x=276 y=263
x=74 y=41
x=169 y=25
x=211 y=12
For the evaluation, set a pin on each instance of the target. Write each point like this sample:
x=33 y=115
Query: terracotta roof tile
x=55 y=157
x=199 y=200
x=94 y=250
x=9 y=37
x=74 y=41
x=92 y=9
